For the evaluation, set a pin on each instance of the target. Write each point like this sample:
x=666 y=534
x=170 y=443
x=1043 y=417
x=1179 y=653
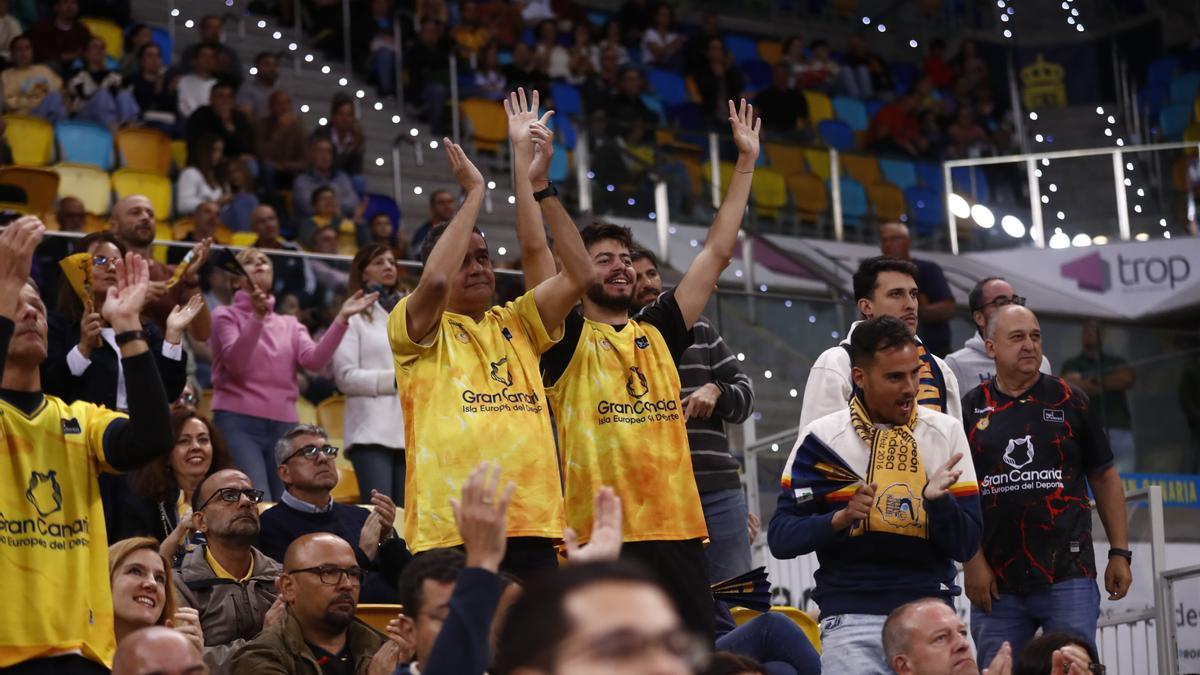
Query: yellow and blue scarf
x=894 y=466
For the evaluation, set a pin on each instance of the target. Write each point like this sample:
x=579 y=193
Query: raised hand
x=369 y=536
x=199 y=254
x=481 y=517
x=605 y=542
x=543 y=150
x=124 y=302
x=1002 y=663
x=17 y=244
x=89 y=333
x=745 y=129
x=180 y=317
x=946 y=475
x=397 y=649
x=465 y=173
x=385 y=508
x=857 y=509
x=521 y=114
x=187 y=621
x=355 y=304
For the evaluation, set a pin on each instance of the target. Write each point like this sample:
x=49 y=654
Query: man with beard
x=231 y=583
x=892 y=535
x=615 y=390
x=317 y=633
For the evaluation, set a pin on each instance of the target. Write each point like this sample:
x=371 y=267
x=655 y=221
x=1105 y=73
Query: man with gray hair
x=927 y=637
x=971 y=365
x=306 y=464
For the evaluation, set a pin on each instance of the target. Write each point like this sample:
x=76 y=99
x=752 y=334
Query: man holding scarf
x=892 y=535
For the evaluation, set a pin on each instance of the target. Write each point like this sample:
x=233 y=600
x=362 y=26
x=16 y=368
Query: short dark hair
x=1035 y=658
x=867 y=275
x=600 y=230
x=875 y=335
x=538 y=622
x=442 y=565
x=318 y=192
x=435 y=233
x=434 y=195
x=975 y=297
x=262 y=55
x=638 y=253
x=728 y=663
x=149 y=45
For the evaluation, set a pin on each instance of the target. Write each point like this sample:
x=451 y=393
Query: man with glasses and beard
x=971 y=365
x=231 y=583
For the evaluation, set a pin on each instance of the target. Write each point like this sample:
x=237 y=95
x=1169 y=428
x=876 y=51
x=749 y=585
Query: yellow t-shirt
x=473 y=392
x=620 y=423
x=53 y=544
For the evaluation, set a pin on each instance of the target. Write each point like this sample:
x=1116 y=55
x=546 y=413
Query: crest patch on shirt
x=1052 y=415
x=642 y=342
x=71 y=426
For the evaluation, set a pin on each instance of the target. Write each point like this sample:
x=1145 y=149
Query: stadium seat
x=1196 y=109
x=758 y=74
x=346 y=490
x=162 y=38
x=1192 y=133
x=377 y=204
x=837 y=134
x=564 y=131
x=770 y=51
x=560 y=165
x=110 y=32
x=331 y=415
x=887 y=201
x=179 y=154
x=567 y=100
x=144 y=149
x=243 y=239
x=14 y=198
x=818 y=162
x=40 y=186
x=862 y=168
x=925 y=209
x=30 y=138
x=1185 y=87
x=786 y=159
x=89 y=184
x=84 y=143
x=741 y=48
x=819 y=106
x=810 y=196
x=931 y=175
x=377 y=616
x=905 y=75
x=851 y=111
x=769 y=192
x=489 y=122
x=686 y=115
x=655 y=104
x=855 y=207
x=1161 y=70
x=898 y=172
x=873 y=107
x=667 y=85
x=157 y=188
x=1153 y=97
x=806 y=623
x=962 y=176
x=726 y=170
x=1173 y=119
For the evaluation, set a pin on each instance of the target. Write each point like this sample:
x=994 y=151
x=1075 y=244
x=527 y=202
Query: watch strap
x=549 y=191
x=129 y=336
x=1123 y=552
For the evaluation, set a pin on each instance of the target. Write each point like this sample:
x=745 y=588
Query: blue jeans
x=380 y=468
x=728 y=552
x=251 y=441
x=852 y=644
x=1070 y=606
x=774 y=641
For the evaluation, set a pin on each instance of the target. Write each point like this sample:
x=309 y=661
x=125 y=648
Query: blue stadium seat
x=931 y=176
x=668 y=85
x=1185 y=87
x=925 y=209
x=84 y=143
x=567 y=100
x=904 y=75
x=855 y=207
x=1153 y=97
x=851 y=111
x=836 y=134
x=898 y=172
x=686 y=115
x=377 y=204
x=1161 y=70
x=162 y=38
x=597 y=17
x=655 y=104
x=1173 y=119
x=564 y=131
x=741 y=48
x=873 y=107
x=758 y=74
x=560 y=165
x=962 y=176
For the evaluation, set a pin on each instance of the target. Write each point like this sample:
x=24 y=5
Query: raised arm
x=17 y=243
x=433 y=291
x=698 y=283
x=537 y=263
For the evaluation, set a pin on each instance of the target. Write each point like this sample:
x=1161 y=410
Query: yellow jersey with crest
x=472 y=392
x=620 y=423
x=53 y=543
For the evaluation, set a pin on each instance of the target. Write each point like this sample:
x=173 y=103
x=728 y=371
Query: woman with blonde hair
x=255 y=356
x=144 y=594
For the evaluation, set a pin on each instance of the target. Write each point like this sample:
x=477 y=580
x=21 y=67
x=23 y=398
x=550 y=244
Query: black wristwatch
x=129 y=336
x=1123 y=552
x=548 y=191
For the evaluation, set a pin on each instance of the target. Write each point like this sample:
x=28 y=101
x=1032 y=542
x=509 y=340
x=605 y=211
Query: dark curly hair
x=156 y=480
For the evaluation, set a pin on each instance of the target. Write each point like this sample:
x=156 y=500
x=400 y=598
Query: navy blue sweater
x=282 y=524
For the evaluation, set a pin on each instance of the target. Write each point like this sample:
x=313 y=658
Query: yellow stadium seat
x=180 y=228
x=155 y=187
x=40 y=186
x=786 y=159
x=144 y=149
x=346 y=490
x=887 y=201
x=162 y=232
x=179 y=155
x=243 y=239
x=820 y=108
x=264 y=505
x=30 y=138
x=818 y=162
x=770 y=51
x=94 y=223
x=864 y=169
x=1192 y=133
x=114 y=40
x=812 y=630
x=306 y=412
x=726 y=170
x=377 y=616
x=204 y=405
x=489 y=122
x=331 y=414
x=769 y=192
x=89 y=184
x=810 y=196
x=697 y=176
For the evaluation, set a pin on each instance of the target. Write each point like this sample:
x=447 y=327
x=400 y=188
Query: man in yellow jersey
x=469 y=385
x=614 y=387
x=53 y=546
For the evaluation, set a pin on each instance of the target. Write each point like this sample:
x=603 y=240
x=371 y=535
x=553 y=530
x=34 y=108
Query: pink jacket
x=254 y=362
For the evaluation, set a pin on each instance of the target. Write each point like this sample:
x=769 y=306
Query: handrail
x=1068 y=154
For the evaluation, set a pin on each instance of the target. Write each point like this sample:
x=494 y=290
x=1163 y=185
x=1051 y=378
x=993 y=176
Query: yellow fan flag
x=77 y=269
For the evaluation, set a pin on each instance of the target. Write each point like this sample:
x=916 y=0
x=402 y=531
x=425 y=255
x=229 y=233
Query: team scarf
x=894 y=466
x=931 y=392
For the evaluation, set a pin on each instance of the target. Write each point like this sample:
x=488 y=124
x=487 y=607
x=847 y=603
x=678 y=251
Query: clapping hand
x=355 y=304
x=543 y=150
x=187 y=621
x=17 y=244
x=465 y=172
x=481 y=517
x=1002 y=663
x=946 y=475
x=124 y=302
x=605 y=542
x=181 y=317
x=396 y=650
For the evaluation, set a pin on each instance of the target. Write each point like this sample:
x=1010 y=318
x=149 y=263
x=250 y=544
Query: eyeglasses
x=188 y=397
x=103 y=260
x=627 y=645
x=233 y=495
x=1003 y=300
x=331 y=575
x=310 y=452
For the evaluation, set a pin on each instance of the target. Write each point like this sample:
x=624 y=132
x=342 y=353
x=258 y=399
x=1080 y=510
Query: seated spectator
x=428 y=65
x=83 y=359
x=625 y=106
x=281 y=143
x=320 y=588
x=253 y=98
x=603 y=82
x=933 y=138
x=228 y=581
x=794 y=56
x=158 y=650
x=550 y=56
x=935 y=65
x=718 y=82
x=695 y=50
x=927 y=637
x=442 y=207
x=896 y=131
x=321 y=172
x=255 y=355
x=95 y=91
x=59 y=39
x=193 y=88
x=70 y=214
x=222 y=119
x=348 y=233
x=819 y=72
x=968 y=66
x=332 y=275
x=201 y=181
x=381 y=46
x=1058 y=652
x=159 y=501
x=137 y=37
x=292 y=273
x=205 y=221
x=471 y=34
x=155 y=89
x=243 y=196
x=728 y=663
x=612 y=39
x=188 y=399
x=31 y=88
x=10 y=28
x=583 y=56
x=306 y=465
x=662 y=47
x=387 y=233
x=633 y=17
x=143 y=593
x=783 y=109
x=523 y=71
x=967 y=137
x=865 y=74
x=490 y=82
x=226 y=64
x=346 y=133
